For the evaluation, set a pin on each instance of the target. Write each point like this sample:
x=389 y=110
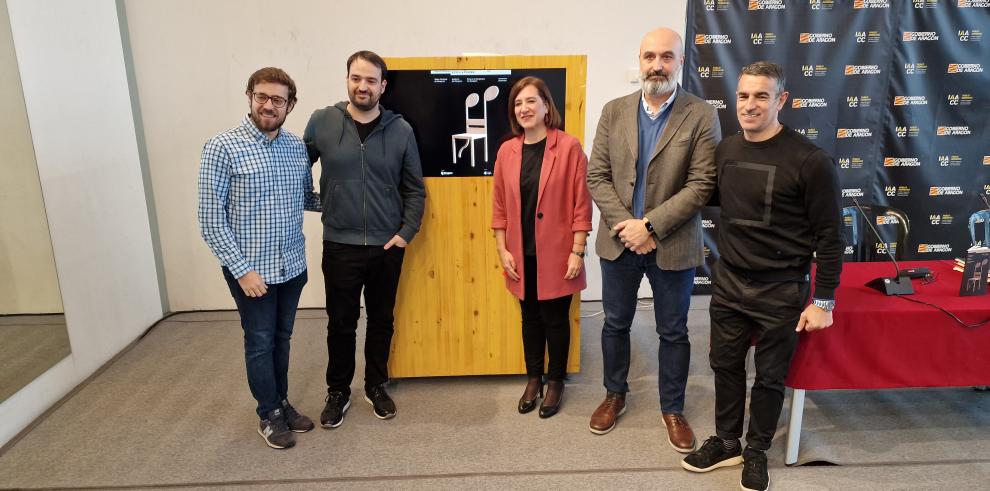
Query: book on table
x=975 y=269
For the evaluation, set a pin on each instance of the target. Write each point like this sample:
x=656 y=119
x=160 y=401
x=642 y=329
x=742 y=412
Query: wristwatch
x=578 y=254
x=826 y=305
x=649 y=226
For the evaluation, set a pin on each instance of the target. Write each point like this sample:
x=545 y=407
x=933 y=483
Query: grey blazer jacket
x=681 y=176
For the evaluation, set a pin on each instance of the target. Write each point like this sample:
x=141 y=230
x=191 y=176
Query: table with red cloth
x=886 y=342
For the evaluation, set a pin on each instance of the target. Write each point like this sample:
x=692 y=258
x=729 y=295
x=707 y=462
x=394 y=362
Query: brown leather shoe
x=679 y=433
x=608 y=412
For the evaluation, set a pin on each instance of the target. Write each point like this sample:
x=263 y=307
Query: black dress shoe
x=535 y=387
x=551 y=403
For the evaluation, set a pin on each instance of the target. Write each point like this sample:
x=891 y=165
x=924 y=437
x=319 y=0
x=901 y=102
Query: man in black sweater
x=781 y=208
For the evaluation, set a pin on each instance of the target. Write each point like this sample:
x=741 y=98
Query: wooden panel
x=453 y=314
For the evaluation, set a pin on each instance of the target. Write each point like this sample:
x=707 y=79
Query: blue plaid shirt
x=252 y=193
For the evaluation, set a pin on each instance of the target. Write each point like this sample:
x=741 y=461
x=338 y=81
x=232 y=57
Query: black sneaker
x=275 y=431
x=296 y=422
x=754 y=475
x=383 y=405
x=333 y=413
x=712 y=455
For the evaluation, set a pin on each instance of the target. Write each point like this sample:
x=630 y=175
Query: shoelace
x=611 y=401
x=711 y=446
x=756 y=457
x=677 y=420
x=752 y=472
x=755 y=466
x=377 y=393
x=278 y=423
x=335 y=398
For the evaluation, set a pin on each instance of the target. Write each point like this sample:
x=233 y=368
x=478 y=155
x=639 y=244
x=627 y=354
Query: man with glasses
x=254 y=183
x=372 y=189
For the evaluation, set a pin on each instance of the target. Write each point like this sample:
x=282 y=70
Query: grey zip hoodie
x=370 y=191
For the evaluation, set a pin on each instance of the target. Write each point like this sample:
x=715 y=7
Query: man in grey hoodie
x=372 y=191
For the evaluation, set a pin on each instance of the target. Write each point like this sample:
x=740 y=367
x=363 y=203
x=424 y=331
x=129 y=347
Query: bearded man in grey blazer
x=651 y=171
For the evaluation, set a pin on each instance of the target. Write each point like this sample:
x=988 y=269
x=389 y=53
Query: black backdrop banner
x=896 y=91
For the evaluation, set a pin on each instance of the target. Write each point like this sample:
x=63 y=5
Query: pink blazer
x=563 y=201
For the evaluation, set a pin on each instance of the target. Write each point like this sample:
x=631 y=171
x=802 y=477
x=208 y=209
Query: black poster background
x=896 y=91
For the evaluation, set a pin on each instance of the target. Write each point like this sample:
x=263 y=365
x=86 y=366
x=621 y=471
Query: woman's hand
x=508 y=264
x=574 y=266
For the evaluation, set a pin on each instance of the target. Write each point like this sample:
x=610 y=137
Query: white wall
x=192 y=60
x=72 y=69
x=27 y=265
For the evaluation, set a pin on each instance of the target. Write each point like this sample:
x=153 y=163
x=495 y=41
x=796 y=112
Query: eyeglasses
x=261 y=98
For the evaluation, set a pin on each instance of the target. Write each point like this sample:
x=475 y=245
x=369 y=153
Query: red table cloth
x=881 y=342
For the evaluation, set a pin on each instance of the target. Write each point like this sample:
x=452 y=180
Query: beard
x=364 y=106
x=267 y=124
x=667 y=82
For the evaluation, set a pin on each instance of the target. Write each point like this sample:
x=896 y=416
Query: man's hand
x=252 y=284
x=646 y=248
x=396 y=241
x=813 y=318
x=508 y=264
x=574 y=266
x=634 y=236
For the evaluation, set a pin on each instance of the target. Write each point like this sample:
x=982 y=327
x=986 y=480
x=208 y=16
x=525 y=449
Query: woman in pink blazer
x=541 y=216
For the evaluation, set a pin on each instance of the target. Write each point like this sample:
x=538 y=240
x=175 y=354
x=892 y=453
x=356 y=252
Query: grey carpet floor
x=175 y=411
x=29 y=345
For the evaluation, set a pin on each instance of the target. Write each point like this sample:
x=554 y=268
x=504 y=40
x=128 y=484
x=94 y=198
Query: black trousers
x=545 y=328
x=347 y=269
x=744 y=311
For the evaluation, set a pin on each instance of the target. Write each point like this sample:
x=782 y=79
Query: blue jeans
x=671 y=300
x=267 y=322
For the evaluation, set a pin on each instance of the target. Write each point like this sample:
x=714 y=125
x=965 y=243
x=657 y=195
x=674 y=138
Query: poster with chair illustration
x=453 y=314
x=461 y=116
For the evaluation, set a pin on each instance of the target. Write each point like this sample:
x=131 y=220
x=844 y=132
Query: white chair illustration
x=475 y=129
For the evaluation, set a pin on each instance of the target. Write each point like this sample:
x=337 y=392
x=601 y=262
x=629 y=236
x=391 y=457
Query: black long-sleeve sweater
x=781 y=203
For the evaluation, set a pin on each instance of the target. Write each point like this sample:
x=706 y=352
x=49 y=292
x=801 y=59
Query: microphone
x=900 y=283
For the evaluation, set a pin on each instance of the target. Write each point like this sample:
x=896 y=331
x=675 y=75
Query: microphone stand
x=900 y=283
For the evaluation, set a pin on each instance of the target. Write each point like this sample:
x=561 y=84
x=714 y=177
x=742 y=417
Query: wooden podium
x=453 y=314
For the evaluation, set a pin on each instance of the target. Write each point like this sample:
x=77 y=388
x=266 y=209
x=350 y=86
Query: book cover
x=975 y=269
